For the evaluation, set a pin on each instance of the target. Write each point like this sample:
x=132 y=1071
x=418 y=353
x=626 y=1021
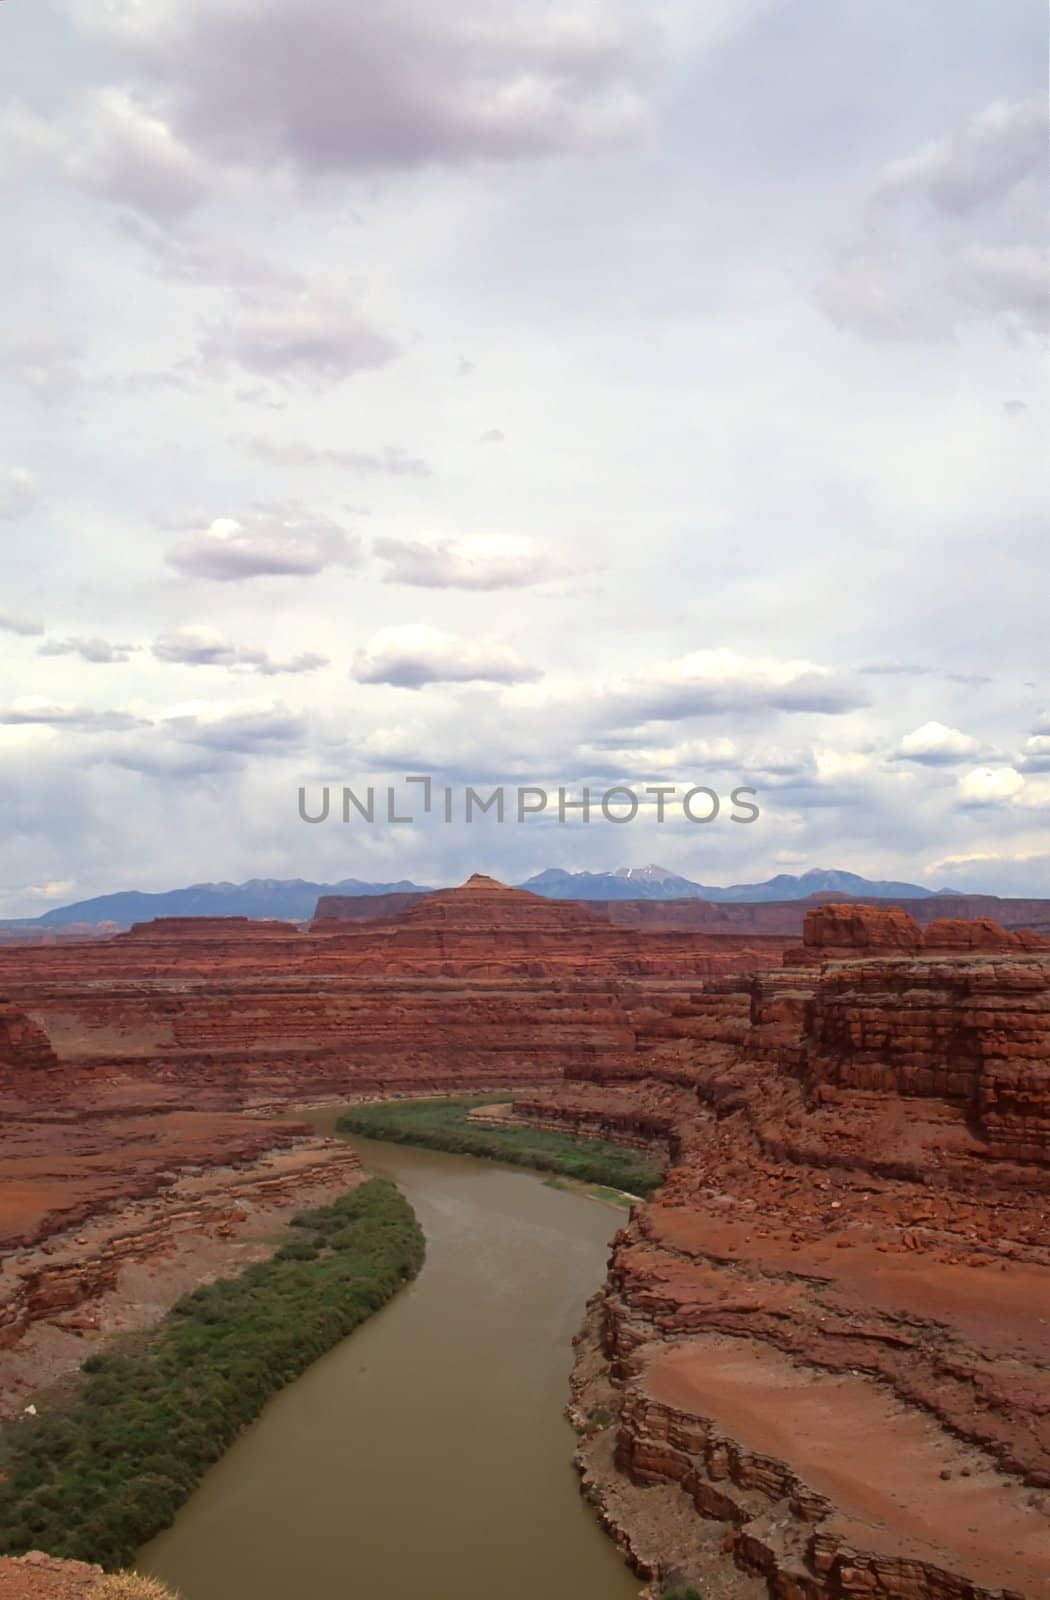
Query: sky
x=565 y=395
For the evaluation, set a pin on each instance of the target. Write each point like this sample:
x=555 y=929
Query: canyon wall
x=476 y=986
x=823 y=1345
x=104 y=1046
x=830 y=1330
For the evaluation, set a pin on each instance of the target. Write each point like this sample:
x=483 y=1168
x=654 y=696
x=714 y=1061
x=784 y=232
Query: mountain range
x=656 y=883
x=294 y=898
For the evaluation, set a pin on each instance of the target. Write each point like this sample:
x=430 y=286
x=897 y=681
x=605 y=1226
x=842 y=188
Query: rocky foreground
x=819 y=1364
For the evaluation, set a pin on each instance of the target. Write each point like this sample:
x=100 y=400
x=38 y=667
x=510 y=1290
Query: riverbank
x=446 y=1124
x=108 y=1220
x=93 y=1479
x=442 y=1415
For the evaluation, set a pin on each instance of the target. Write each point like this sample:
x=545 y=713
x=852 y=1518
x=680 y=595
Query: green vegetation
x=95 y=1479
x=443 y=1125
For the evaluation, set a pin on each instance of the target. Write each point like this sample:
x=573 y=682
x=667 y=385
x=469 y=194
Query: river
x=426 y=1457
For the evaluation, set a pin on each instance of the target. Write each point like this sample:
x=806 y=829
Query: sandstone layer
x=831 y=1328
x=476 y=986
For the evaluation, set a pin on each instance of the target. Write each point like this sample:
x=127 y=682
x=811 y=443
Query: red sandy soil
x=38 y=1577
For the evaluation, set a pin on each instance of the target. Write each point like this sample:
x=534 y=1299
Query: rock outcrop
x=25 y=1048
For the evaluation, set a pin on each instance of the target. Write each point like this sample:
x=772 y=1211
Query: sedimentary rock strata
x=473 y=986
x=824 y=1344
x=105 y=1045
x=831 y=1327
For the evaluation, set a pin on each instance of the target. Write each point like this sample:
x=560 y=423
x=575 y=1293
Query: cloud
x=49 y=365
x=100 y=652
x=891 y=669
x=265 y=730
x=412 y=656
x=713 y=682
x=111 y=144
x=991 y=785
x=307 y=337
x=973 y=168
x=17 y=492
x=27 y=627
x=228 y=551
x=1012 y=277
x=936 y=745
x=32 y=712
x=205 y=647
x=1035 y=754
x=391 y=459
x=334 y=86
x=481 y=563
x=951 y=232
x=1024 y=872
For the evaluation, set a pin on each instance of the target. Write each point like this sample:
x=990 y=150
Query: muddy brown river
x=426 y=1457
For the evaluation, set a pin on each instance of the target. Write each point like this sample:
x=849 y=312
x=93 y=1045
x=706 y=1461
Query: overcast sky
x=569 y=393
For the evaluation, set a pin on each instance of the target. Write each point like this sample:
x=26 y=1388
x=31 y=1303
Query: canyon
x=820 y=1357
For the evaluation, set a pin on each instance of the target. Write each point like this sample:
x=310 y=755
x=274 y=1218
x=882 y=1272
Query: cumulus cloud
x=17 y=492
x=713 y=682
x=472 y=563
x=1035 y=753
x=261 y=545
x=26 y=627
x=935 y=745
x=392 y=459
x=337 y=85
x=952 y=231
x=309 y=337
x=414 y=655
x=195 y=646
x=990 y=785
x=99 y=652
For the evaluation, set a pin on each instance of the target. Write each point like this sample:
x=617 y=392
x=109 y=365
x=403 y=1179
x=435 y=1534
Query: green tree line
x=444 y=1125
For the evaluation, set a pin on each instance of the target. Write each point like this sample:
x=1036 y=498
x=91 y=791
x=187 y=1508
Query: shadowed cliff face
x=831 y=1327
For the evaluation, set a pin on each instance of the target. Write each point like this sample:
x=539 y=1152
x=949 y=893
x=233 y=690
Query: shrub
x=130 y=1586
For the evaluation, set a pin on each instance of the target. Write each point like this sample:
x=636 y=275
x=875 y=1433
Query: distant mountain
x=656 y=883
x=821 y=880
x=293 y=899
x=626 y=883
